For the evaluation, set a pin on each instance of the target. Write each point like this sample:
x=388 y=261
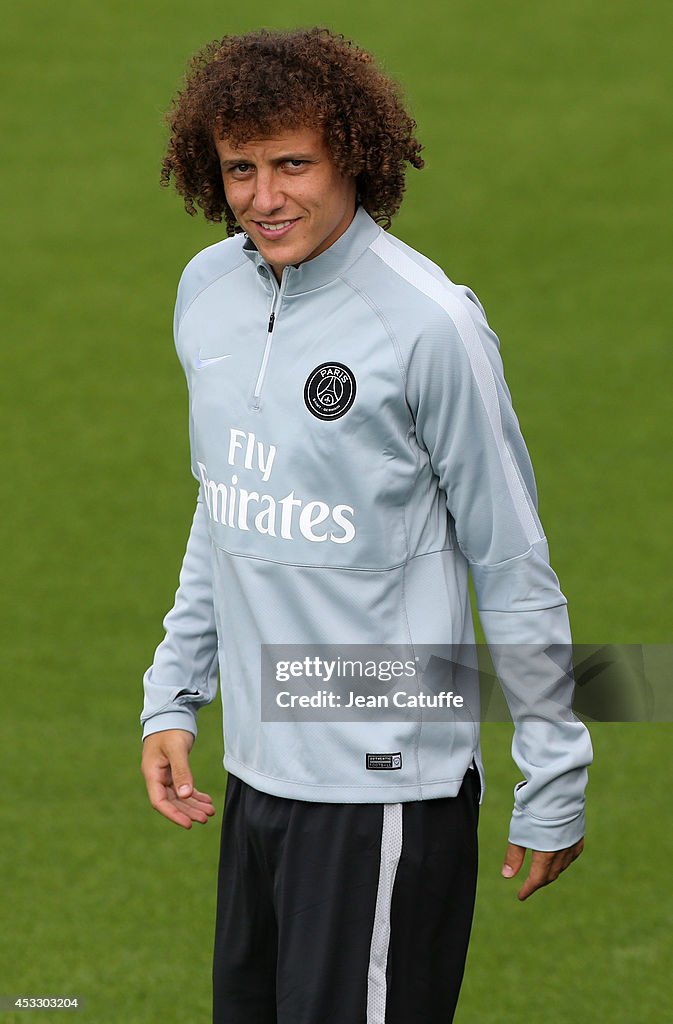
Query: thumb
x=181 y=775
x=513 y=860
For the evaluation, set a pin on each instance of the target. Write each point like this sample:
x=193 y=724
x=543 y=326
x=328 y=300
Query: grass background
x=547 y=189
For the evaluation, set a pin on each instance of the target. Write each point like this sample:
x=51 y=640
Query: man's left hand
x=545 y=866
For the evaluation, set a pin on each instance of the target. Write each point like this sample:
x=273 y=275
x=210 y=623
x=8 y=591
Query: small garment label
x=384 y=762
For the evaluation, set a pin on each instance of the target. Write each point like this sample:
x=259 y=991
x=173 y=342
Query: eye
x=295 y=164
x=238 y=170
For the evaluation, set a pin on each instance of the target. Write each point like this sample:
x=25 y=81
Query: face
x=287 y=194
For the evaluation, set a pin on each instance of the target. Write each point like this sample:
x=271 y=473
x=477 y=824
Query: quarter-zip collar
x=331 y=263
x=278 y=293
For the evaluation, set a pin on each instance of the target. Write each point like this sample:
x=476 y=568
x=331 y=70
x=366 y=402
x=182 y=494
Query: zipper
x=277 y=299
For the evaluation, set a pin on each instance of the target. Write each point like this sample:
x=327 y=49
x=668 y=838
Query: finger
x=201 y=805
x=169 y=809
x=536 y=879
x=164 y=800
x=197 y=810
x=156 y=790
x=182 y=780
x=545 y=869
x=530 y=886
x=513 y=860
x=182 y=812
x=180 y=773
x=189 y=812
x=201 y=802
x=203 y=797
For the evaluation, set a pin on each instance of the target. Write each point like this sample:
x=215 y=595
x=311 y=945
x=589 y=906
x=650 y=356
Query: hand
x=545 y=866
x=170 y=787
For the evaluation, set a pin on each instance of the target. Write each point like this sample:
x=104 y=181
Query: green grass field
x=547 y=189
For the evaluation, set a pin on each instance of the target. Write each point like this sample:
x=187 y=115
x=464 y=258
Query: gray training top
x=357 y=454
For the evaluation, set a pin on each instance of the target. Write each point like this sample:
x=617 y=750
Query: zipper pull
x=272 y=319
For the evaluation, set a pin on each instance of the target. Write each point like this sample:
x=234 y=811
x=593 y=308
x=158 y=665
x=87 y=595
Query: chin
x=288 y=258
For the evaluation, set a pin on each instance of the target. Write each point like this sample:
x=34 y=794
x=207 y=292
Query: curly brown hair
x=254 y=85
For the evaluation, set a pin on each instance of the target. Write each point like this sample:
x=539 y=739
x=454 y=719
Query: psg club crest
x=329 y=391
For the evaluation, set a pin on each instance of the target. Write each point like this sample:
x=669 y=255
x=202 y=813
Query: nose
x=268 y=195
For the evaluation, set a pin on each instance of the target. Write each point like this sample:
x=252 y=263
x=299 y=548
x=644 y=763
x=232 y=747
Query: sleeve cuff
x=177 y=718
x=545 y=833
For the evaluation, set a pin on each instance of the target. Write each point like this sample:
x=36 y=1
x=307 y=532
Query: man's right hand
x=170 y=787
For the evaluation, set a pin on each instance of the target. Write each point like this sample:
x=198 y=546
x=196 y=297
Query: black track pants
x=343 y=913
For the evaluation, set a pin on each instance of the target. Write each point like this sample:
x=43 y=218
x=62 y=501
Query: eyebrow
x=311 y=157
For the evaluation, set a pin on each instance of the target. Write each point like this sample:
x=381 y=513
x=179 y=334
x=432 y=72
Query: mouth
x=275 y=229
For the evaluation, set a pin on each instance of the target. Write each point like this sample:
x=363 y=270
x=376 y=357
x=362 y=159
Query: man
x=357 y=454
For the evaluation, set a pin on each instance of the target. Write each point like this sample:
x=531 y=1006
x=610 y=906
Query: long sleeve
x=465 y=421
x=184 y=674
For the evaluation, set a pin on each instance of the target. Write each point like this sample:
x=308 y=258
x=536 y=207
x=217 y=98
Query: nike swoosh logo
x=209 y=360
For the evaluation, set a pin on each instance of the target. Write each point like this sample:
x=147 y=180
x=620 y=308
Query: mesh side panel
x=391 y=851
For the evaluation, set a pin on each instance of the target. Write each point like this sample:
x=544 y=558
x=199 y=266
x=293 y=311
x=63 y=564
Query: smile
x=274 y=230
